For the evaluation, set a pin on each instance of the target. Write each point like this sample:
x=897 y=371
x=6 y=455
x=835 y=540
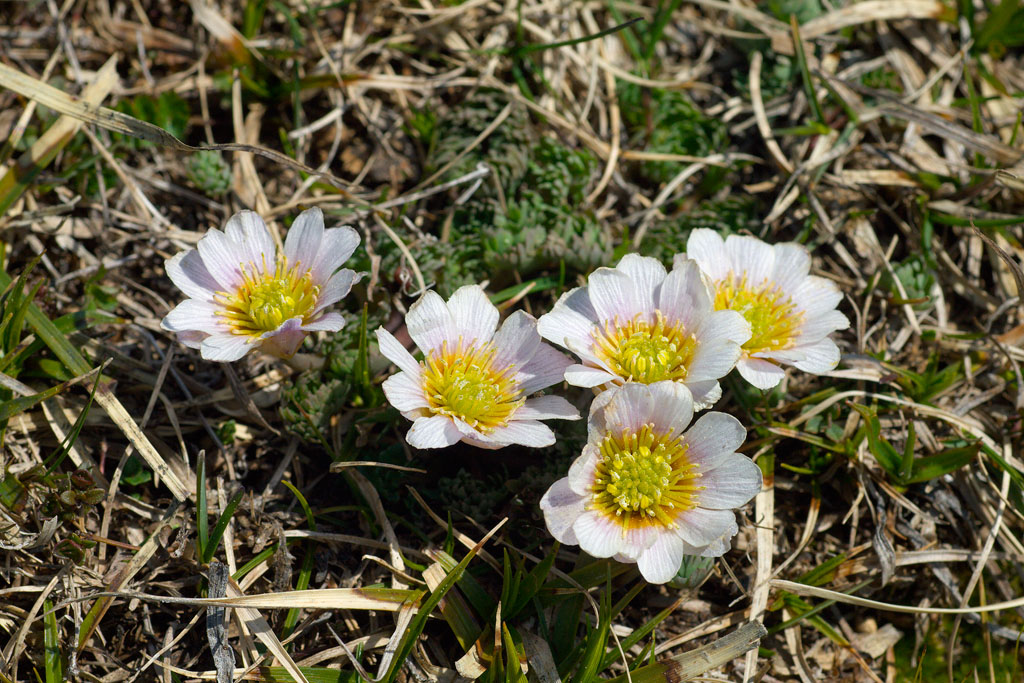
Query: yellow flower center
x=644 y=479
x=641 y=352
x=266 y=298
x=463 y=383
x=772 y=314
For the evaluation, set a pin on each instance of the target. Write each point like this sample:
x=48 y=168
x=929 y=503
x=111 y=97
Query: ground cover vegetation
x=263 y=483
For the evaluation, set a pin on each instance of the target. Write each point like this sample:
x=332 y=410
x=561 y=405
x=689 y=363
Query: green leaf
x=887 y=456
x=944 y=462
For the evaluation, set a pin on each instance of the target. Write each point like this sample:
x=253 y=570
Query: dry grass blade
x=816 y=592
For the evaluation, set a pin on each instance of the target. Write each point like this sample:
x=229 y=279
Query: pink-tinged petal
x=223 y=258
x=393 y=350
x=573 y=318
x=647 y=275
x=546 y=367
x=731 y=484
x=430 y=324
x=671 y=407
x=226 y=347
x=516 y=341
x=792 y=264
x=597 y=422
x=684 y=297
x=751 y=256
x=587 y=377
x=629 y=409
x=404 y=392
x=700 y=527
x=193 y=339
x=582 y=471
x=598 y=535
x=303 y=245
x=285 y=340
x=336 y=289
x=250 y=233
x=474 y=315
x=661 y=562
x=712 y=439
x=761 y=373
x=328 y=322
x=193 y=314
x=722 y=326
x=613 y=295
x=547 y=408
x=189 y=274
x=816 y=296
x=714 y=360
x=821 y=326
x=706 y=393
x=523 y=432
x=433 y=432
x=562 y=507
x=822 y=356
x=705 y=246
x=336 y=248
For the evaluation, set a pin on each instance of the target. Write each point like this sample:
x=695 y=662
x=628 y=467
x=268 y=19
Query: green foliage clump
x=667 y=237
x=308 y=403
x=669 y=123
x=208 y=171
x=168 y=111
x=479 y=497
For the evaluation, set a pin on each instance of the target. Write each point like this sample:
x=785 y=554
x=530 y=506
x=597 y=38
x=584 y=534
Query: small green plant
x=209 y=172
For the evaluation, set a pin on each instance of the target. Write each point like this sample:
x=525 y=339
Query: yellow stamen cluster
x=463 y=383
x=772 y=314
x=641 y=352
x=266 y=298
x=644 y=479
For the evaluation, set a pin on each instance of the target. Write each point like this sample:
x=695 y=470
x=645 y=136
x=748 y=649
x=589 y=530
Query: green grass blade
x=51 y=645
x=218 y=530
x=202 y=509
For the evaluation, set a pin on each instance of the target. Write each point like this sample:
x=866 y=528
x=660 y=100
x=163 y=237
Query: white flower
x=244 y=295
x=791 y=313
x=638 y=323
x=473 y=382
x=644 y=490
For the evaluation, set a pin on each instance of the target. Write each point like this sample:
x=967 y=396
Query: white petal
x=284 y=341
x=700 y=527
x=671 y=407
x=647 y=274
x=761 y=373
x=223 y=259
x=335 y=249
x=721 y=546
x=597 y=423
x=792 y=264
x=225 y=348
x=430 y=324
x=573 y=317
x=598 y=535
x=547 y=408
x=706 y=247
x=523 y=432
x=336 y=289
x=661 y=562
x=474 y=315
x=714 y=360
x=720 y=326
x=303 y=244
x=328 y=322
x=821 y=326
x=561 y=507
x=751 y=256
x=815 y=296
x=583 y=469
x=250 y=233
x=433 y=432
x=546 y=367
x=516 y=341
x=684 y=297
x=193 y=314
x=733 y=482
x=629 y=409
x=404 y=392
x=193 y=339
x=822 y=356
x=637 y=541
x=189 y=274
x=393 y=350
x=587 y=377
x=713 y=438
x=613 y=295
x=706 y=393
